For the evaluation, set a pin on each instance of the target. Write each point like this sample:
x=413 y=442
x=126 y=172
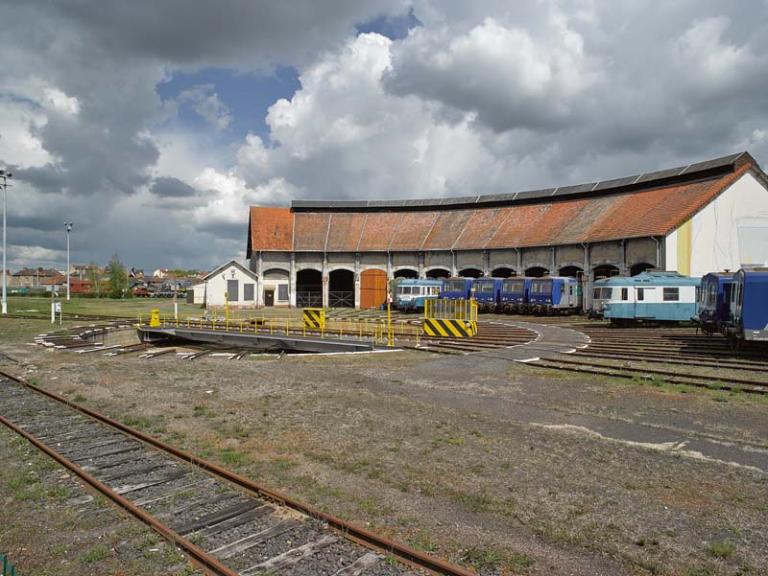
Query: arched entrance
x=373 y=288
x=341 y=289
x=536 y=272
x=470 y=273
x=572 y=271
x=605 y=271
x=437 y=273
x=275 y=284
x=406 y=273
x=503 y=272
x=639 y=268
x=309 y=288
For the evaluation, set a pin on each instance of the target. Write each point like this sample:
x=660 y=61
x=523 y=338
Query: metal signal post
x=4 y=174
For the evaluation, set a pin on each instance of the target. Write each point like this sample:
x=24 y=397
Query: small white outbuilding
x=231 y=282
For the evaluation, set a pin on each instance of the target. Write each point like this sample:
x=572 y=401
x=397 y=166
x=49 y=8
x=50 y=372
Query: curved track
x=675 y=355
x=226 y=523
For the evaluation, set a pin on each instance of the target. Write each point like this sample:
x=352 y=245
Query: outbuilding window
x=671 y=294
x=248 y=292
x=282 y=292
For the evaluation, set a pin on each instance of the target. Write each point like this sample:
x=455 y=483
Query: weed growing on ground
x=95 y=554
x=722 y=549
x=232 y=457
x=489 y=559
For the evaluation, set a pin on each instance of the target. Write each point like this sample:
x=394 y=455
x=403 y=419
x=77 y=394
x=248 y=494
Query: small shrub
x=722 y=549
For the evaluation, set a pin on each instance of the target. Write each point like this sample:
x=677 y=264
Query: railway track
x=626 y=370
x=224 y=522
x=676 y=355
x=490 y=336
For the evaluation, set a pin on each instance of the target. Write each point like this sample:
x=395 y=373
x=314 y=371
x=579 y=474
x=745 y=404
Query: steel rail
x=349 y=530
x=633 y=373
x=199 y=556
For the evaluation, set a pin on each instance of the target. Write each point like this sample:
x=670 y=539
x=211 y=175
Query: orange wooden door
x=373 y=288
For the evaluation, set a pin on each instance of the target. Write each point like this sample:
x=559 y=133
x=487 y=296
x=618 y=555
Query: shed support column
x=623 y=258
x=520 y=271
x=390 y=273
x=553 y=271
x=661 y=263
x=260 y=280
x=357 y=280
x=324 y=276
x=486 y=262
x=292 y=281
x=454 y=268
x=420 y=257
x=588 y=278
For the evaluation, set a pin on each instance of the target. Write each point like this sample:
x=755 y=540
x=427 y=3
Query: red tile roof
x=654 y=210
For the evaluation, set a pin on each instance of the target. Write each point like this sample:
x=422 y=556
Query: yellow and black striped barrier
x=445 y=328
x=314 y=318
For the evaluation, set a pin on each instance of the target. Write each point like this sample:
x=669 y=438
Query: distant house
x=231 y=282
x=34 y=277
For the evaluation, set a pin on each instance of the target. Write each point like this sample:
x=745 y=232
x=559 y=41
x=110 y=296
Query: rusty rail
x=351 y=531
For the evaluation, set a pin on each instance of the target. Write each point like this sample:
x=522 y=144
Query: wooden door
x=373 y=288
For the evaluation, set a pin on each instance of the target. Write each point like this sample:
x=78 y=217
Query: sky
x=154 y=125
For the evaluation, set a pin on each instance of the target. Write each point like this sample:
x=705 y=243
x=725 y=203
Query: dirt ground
x=499 y=466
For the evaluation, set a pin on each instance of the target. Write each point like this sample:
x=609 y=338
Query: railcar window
x=404 y=289
x=434 y=290
x=455 y=286
x=641 y=294
x=625 y=294
x=513 y=286
x=671 y=294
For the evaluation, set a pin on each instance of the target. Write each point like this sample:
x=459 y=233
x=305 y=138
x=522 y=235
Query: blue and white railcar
x=487 y=293
x=554 y=295
x=749 y=305
x=411 y=293
x=651 y=297
x=715 y=302
x=456 y=288
x=601 y=293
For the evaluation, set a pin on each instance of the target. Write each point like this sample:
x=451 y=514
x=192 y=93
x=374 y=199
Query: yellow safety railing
x=377 y=329
x=444 y=309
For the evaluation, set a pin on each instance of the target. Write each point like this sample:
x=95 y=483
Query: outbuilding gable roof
x=223 y=267
x=653 y=204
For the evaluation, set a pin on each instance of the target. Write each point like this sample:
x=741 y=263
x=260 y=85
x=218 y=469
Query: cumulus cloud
x=501 y=72
x=205 y=102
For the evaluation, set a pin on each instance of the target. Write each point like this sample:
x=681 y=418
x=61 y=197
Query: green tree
x=93 y=275
x=118 y=278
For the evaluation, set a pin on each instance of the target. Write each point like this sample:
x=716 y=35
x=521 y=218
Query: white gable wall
x=213 y=290
x=729 y=232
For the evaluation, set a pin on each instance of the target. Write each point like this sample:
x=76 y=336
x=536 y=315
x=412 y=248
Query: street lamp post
x=68 y=228
x=4 y=174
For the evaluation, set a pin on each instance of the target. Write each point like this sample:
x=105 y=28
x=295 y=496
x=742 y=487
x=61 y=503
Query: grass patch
x=489 y=559
x=95 y=554
x=203 y=412
x=79 y=398
x=232 y=457
x=723 y=549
